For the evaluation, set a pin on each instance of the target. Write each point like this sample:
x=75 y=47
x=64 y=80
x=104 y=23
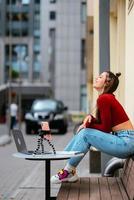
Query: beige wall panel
x=96 y=46
x=113 y=43
x=129 y=77
x=89 y=60
x=121 y=23
x=89 y=7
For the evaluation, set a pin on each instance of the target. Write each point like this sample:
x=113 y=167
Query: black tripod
x=40 y=142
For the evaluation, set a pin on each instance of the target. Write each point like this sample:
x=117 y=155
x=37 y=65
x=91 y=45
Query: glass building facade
x=43 y=42
x=20 y=35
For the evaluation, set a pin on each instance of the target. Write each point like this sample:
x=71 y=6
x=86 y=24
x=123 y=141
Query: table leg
x=47 y=181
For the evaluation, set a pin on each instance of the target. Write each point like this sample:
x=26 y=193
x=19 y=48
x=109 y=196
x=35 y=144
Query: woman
x=110 y=132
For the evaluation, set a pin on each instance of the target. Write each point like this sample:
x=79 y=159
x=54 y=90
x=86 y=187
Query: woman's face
x=100 y=81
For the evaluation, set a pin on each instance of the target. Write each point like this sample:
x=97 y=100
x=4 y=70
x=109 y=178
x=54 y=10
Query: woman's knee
x=82 y=135
x=85 y=132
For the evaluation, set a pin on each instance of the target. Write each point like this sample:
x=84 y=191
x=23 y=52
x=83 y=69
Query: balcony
x=17 y=25
x=16 y=9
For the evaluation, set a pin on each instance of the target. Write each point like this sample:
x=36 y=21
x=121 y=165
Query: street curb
x=5 y=139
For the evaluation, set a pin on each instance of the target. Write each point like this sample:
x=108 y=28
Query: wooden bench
x=101 y=188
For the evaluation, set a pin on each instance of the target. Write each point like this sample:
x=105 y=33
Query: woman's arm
x=104 y=107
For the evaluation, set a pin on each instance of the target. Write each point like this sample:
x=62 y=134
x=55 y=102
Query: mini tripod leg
x=51 y=145
x=41 y=143
x=38 y=146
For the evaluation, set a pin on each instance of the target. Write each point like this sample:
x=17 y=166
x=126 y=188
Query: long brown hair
x=111 y=84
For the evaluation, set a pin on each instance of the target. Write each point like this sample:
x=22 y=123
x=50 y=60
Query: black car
x=49 y=110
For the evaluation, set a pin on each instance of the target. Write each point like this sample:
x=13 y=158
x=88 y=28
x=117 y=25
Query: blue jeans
x=120 y=145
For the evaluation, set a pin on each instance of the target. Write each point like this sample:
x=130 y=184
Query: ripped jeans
x=120 y=145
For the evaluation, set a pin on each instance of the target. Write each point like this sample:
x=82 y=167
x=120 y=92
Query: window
x=52 y=15
x=19 y=62
x=52 y=1
x=25 y=2
x=83 y=98
x=37 y=1
x=36 y=66
x=83 y=12
x=83 y=62
x=52 y=49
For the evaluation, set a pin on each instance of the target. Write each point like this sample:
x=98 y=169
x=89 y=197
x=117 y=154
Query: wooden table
x=60 y=155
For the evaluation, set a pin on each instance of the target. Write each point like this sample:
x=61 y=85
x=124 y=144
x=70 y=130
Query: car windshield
x=43 y=105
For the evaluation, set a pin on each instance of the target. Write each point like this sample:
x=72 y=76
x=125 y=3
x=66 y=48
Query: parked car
x=49 y=110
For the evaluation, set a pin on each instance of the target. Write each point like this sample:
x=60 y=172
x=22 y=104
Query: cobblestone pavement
x=21 y=179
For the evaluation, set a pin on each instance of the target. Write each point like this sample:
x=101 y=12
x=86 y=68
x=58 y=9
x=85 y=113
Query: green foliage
x=15 y=74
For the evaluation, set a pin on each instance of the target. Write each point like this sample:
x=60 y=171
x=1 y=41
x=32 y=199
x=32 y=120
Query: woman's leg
x=108 y=143
x=70 y=144
x=120 y=146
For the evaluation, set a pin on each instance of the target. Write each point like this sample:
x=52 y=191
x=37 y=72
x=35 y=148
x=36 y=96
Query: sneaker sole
x=69 y=180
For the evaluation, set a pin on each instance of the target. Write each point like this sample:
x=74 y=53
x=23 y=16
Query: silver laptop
x=21 y=145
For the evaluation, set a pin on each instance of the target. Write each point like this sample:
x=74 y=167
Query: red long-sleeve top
x=111 y=113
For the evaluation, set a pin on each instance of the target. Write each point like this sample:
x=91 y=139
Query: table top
x=60 y=155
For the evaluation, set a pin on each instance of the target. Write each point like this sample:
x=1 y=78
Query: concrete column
x=104 y=51
x=129 y=62
x=104 y=54
x=44 y=30
x=113 y=42
x=95 y=46
x=121 y=48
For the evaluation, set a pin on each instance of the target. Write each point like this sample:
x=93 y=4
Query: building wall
x=129 y=62
x=117 y=44
x=46 y=25
x=96 y=46
x=121 y=49
x=23 y=16
x=55 y=44
x=89 y=61
x=69 y=32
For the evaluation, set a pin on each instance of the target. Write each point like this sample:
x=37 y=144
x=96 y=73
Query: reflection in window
x=17 y=16
x=37 y=1
x=19 y=62
x=83 y=57
x=15 y=2
x=83 y=12
x=36 y=66
x=52 y=15
x=36 y=33
x=25 y=1
x=83 y=98
x=52 y=1
x=17 y=24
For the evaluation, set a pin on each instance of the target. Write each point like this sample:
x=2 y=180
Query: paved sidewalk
x=32 y=186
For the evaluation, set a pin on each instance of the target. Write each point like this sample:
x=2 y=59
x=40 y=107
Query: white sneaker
x=64 y=176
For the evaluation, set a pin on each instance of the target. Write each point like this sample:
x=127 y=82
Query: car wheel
x=28 y=129
x=62 y=130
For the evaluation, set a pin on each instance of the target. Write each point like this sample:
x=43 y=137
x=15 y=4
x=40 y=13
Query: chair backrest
x=128 y=177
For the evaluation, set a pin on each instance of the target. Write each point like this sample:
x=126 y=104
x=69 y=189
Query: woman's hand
x=81 y=127
x=87 y=120
x=48 y=137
